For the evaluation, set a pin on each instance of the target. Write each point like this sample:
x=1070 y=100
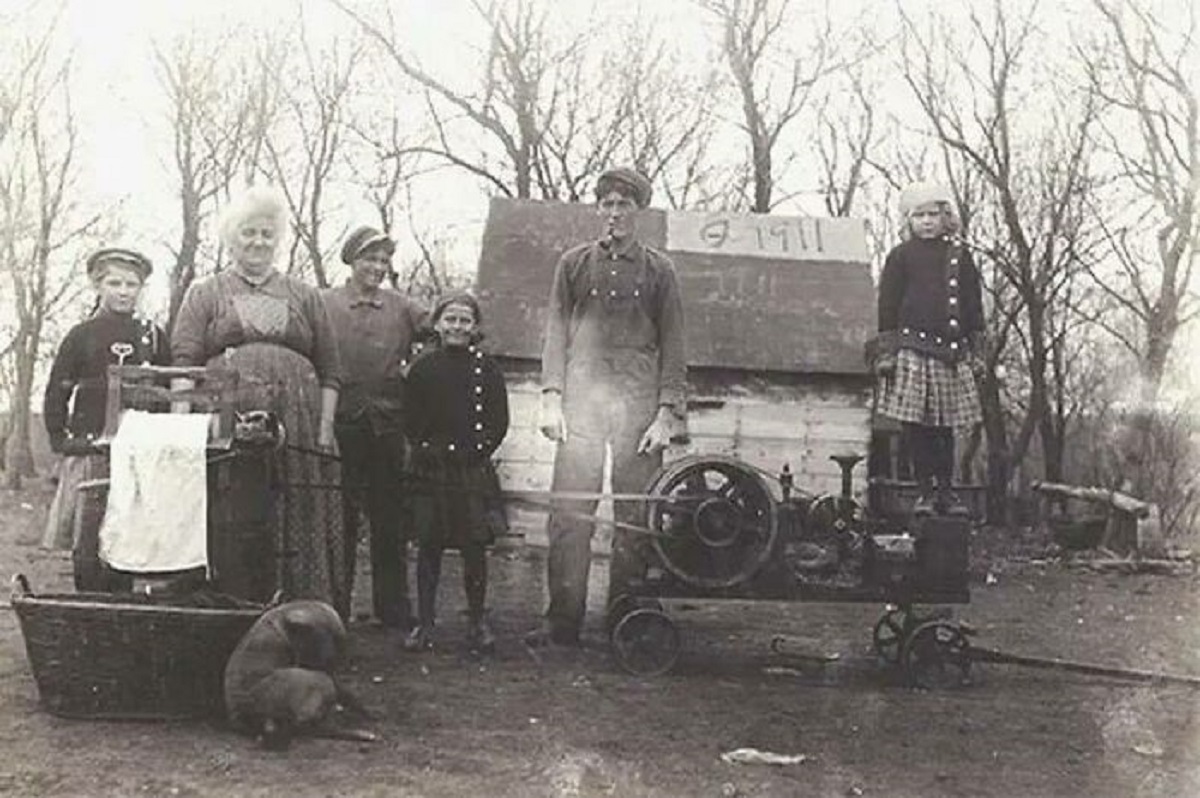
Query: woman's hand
x=326 y=440
x=885 y=364
x=182 y=385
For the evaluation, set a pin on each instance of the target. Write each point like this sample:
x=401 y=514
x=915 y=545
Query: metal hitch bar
x=1050 y=663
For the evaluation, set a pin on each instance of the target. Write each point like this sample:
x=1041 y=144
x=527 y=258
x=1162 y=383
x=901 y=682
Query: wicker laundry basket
x=121 y=656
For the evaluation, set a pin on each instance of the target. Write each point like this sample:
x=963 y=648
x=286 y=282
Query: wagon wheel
x=889 y=633
x=617 y=609
x=646 y=642
x=936 y=654
x=717 y=521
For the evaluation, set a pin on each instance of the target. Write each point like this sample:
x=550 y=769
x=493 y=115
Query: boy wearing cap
x=374 y=329
x=114 y=335
x=613 y=375
x=930 y=339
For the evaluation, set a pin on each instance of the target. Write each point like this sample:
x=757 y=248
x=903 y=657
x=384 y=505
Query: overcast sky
x=120 y=107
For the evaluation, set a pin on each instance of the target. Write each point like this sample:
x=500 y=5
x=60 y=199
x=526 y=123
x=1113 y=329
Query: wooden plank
x=762 y=310
x=786 y=238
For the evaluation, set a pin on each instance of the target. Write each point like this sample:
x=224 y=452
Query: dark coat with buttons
x=919 y=293
x=457 y=416
x=81 y=367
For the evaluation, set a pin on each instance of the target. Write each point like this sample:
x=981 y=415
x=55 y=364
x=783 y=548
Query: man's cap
x=128 y=257
x=918 y=194
x=626 y=180
x=365 y=238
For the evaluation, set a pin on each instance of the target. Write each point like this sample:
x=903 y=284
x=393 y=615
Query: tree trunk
x=998 y=455
x=1052 y=446
x=185 y=266
x=1153 y=365
x=18 y=452
x=763 y=184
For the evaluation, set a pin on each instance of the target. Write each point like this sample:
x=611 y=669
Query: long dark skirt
x=60 y=523
x=454 y=503
x=300 y=528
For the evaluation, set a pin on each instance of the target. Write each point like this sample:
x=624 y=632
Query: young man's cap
x=918 y=194
x=365 y=238
x=128 y=257
x=626 y=180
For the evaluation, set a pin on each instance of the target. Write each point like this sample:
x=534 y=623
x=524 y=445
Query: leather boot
x=480 y=637
x=924 y=505
x=949 y=503
x=419 y=639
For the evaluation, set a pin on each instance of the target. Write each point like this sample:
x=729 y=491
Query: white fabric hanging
x=157 y=512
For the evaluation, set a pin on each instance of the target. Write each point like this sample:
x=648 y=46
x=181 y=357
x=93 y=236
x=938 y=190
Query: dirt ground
x=574 y=724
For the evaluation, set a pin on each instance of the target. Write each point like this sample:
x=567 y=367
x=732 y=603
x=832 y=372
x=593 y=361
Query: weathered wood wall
x=763 y=421
x=766 y=293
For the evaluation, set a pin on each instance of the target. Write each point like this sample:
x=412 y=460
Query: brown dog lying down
x=280 y=682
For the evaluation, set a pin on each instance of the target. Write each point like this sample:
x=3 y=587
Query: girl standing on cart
x=274 y=331
x=75 y=407
x=930 y=338
x=459 y=417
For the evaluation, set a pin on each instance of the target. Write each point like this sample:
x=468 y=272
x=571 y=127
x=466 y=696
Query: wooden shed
x=778 y=310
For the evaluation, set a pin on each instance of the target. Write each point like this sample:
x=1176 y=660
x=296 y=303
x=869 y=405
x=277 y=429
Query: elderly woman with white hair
x=275 y=332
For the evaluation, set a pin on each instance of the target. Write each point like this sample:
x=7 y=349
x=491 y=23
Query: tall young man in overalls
x=613 y=375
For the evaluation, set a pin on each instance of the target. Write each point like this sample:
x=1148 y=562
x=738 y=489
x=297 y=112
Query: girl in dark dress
x=459 y=416
x=75 y=404
x=930 y=340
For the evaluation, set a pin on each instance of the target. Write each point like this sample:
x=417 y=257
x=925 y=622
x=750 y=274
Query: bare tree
x=668 y=120
x=39 y=220
x=306 y=140
x=505 y=107
x=557 y=102
x=847 y=132
x=774 y=83
x=383 y=164
x=1146 y=68
x=216 y=104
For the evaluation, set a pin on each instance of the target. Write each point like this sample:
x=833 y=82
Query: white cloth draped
x=157 y=513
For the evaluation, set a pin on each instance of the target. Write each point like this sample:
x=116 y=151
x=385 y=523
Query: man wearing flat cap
x=613 y=378
x=374 y=328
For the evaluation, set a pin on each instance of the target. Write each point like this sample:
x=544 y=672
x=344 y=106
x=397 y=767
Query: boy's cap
x=363 y=239
x=628 y=180
x=129 y=257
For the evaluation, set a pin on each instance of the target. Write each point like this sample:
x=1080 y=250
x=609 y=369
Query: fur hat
x=127 y=257
x=627 y=181
x=363 y=239
x=918 y=194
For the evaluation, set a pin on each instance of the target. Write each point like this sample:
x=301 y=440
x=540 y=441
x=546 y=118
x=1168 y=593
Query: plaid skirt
x=454 y=503
x=925 y=390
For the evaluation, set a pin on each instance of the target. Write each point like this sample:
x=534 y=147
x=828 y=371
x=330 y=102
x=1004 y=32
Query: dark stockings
x=932 y=451
x=429 y=571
